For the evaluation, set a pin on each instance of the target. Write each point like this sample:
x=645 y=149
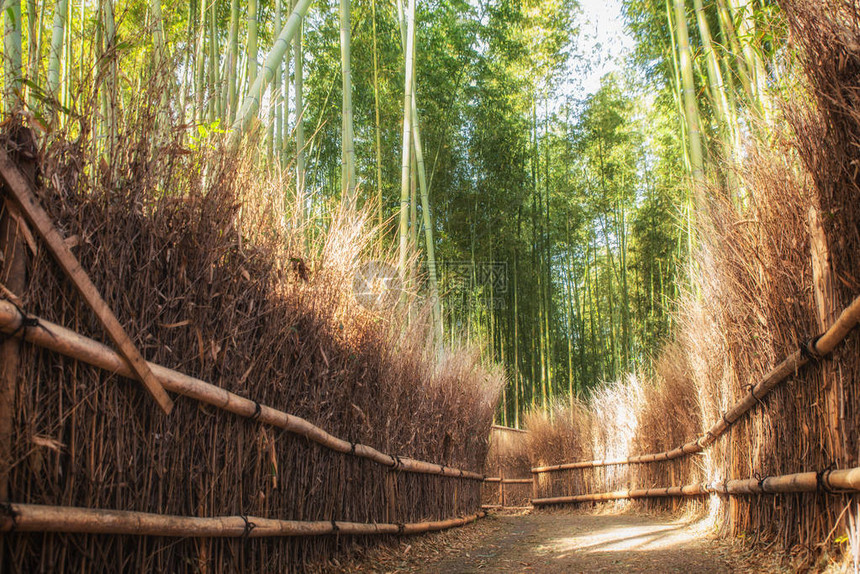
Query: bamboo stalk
x=298 y=94
x=377 y=129
x=251 y=102
x=12 y=39
x=407 y=144
x=691 y=109
x=835 y=481
x=39 y=518
x=55 y=54
x=61 y=340
x=347 y=130
x=824 y=345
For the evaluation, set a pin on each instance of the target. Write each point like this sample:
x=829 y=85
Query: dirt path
x=583 y=543
x=562 y=542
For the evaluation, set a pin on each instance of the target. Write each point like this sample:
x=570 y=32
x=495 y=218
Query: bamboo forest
x=554 y=228
x=476 y=254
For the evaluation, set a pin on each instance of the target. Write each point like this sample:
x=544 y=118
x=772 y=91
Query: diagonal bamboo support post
x=23 y=194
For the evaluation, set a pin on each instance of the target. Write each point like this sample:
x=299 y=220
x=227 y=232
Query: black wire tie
x=760 y=480
x=334 y=527
x=258 y=410
x=751 y=389
x=249 y=526
x=401 y=528
x=822 y=478
x=26 y=322
x=395 y=461
x=808 y=350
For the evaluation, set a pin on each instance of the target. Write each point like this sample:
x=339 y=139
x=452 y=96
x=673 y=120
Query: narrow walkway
x=565 y=542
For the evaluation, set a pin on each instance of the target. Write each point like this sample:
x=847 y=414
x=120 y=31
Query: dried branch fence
x=18 y=325
x=510 y=485
x=55 y=338
x=826 y=480
x=37 y=518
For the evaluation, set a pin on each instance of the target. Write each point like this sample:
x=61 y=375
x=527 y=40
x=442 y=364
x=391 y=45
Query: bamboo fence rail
x=511 y=429
x=814 y=349
x=830 y=481
x=498 y=479
x=55 y=338
x=67 y=519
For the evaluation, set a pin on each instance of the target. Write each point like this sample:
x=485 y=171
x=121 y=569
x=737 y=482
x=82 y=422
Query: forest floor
x=570 y=541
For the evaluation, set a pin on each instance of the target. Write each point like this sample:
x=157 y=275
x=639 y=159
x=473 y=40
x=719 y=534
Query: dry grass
x=197 y=253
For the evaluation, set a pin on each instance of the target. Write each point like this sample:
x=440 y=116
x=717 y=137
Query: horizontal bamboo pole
x=838 y=481
x=500 y=507
x=847 y=480
x=71 y=344
x=511 y=429
x=823 y=346
x=688 y=490
x=38 y=518
x=498 y=479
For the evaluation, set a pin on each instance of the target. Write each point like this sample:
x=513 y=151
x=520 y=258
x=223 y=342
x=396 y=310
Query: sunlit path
x=576 y=542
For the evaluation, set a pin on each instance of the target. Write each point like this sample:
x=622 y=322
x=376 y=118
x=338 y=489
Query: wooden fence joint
x=810 y=350
x=20 y=190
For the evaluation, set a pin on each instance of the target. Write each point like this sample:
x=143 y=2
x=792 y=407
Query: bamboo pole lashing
x=811 y=350
x=71 y=344
x=16 y=517
x=827 y=480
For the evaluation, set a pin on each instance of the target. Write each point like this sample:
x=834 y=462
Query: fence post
x=13 y=235
x=390 y=497
x=822 y=283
